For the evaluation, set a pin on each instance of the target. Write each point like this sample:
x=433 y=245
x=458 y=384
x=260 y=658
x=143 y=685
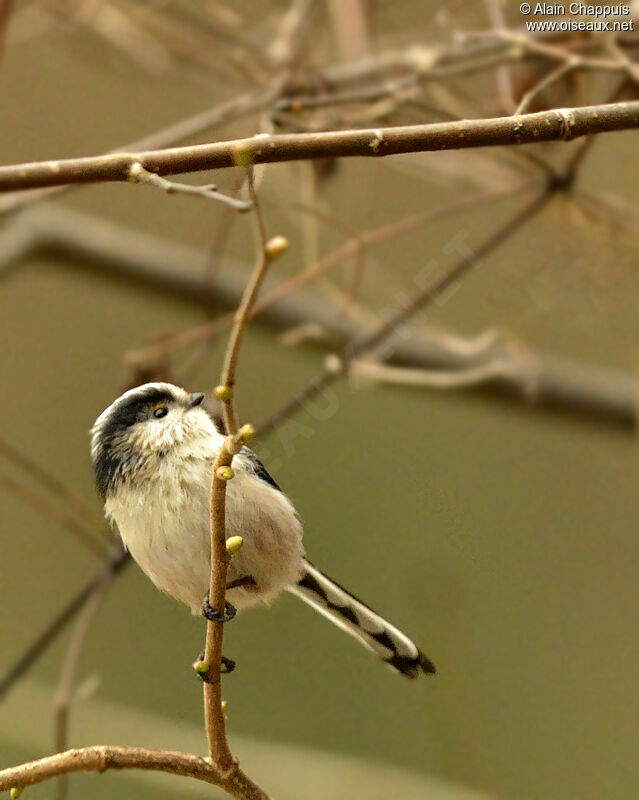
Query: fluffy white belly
x=165 y=526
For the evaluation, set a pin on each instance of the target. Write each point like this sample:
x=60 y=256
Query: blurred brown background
x=503 y=539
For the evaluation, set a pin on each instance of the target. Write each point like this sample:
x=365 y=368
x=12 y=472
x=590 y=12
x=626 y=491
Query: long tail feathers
x=350 y=614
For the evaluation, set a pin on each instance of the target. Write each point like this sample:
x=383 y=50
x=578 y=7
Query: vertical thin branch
x=219 y=752
x=227 y=379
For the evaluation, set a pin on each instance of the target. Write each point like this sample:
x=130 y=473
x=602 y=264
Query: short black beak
x=195 y=399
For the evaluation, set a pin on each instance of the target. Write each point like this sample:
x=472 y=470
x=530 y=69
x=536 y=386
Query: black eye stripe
x=125 y=412
x=132 y=409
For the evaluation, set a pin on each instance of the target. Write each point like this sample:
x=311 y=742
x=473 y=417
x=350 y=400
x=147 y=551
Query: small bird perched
x=153 y=451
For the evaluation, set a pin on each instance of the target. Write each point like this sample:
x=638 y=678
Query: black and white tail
x=379 y=636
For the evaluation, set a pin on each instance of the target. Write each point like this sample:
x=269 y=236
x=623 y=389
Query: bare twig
x=533 y=46
x=352 y=246
x=375 y=338
x=563 y=69
x=243 y=313
x=233 y=109
x=137 y=174
x=219 y=751
x=100 y=758
x=544 y=126
x=431 y=379
x=220 y=237
x=294 y=28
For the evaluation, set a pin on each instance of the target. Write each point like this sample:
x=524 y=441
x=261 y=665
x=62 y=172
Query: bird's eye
x=160 y=411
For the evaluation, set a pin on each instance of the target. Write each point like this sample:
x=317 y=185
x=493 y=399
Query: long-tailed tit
x=153 y=450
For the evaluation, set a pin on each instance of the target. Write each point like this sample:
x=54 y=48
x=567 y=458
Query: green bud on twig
x=233 y=544
x=243 y=155
x=15 y=792
x=225 y=473
x=223 y=393
x=200 y=667
x=225 y=705
x=275 y=247
x=247 y=432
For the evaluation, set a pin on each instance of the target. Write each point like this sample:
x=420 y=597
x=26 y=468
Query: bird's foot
x=202 y=670
x=228 y=665
x=208 y=612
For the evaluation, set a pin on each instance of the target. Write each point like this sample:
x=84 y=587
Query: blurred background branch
x=541 y=380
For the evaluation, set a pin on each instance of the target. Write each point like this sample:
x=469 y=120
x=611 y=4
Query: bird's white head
x=144 y=426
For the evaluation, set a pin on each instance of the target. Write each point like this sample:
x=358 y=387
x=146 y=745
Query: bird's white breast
x=164 y=522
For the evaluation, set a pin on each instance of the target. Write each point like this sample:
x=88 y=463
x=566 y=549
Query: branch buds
x=223 y=393
x=233 y=544
x=15 y=792
x=225 y=473
x=275 y=247
x=247 y=432
x=201 y=667
x=243 y=155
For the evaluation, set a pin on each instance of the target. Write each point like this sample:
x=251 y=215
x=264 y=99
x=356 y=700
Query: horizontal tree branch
x=102 y=757
x=544 y=126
